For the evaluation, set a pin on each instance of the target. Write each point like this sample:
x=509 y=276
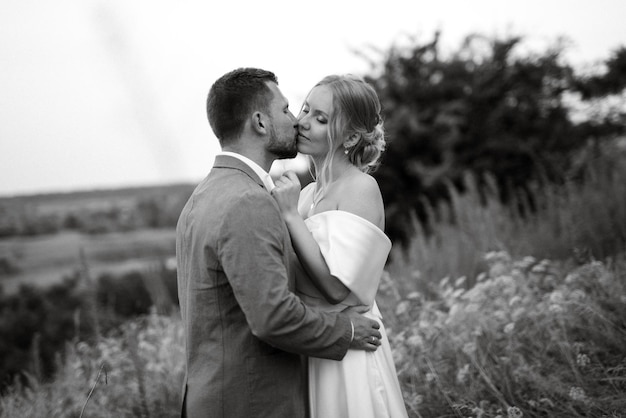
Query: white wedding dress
x=363 y=384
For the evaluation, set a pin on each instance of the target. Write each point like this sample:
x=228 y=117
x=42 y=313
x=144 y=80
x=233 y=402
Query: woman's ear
x=259 y=124
x=352 y=140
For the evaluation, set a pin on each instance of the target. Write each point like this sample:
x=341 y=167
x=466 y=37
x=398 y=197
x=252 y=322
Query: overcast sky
x=100 y=94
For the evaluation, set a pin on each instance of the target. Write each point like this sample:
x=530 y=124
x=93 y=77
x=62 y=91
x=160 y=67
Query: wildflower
x=599 y=272
x=498 y=262
x=572 y=278
x=556 y=297
x=526 y=262
x=417 y=399
x=539 y=268
x=497 y=256
x=499 y=315
x=399 y=354
x=469 y=348
x=415 y=341
x=471 y=308
x=430 y=377
x=444 y=282
x=423 y=324
x=518 y=313
x=509 y=328
x=514 y=412
x=515 y=300
x=462 y=373
x=506 y=281
x=402 y=307
x=479 y=412
x=414 y=296
x=477 y=331
x=577 y=394
x=547 y=402
x=556 y=309
x=582 y=360
x=454 y=310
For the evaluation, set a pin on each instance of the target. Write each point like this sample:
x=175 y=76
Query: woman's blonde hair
x=355 y=121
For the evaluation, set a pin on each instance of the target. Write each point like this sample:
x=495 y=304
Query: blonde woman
x=337 y=228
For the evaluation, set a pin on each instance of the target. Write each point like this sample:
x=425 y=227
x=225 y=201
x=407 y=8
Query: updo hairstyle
x=356 y=120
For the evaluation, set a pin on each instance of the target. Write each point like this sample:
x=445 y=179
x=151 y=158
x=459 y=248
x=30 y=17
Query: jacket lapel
x=226 y=161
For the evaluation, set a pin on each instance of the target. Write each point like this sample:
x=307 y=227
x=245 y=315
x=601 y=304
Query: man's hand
x=366 y=331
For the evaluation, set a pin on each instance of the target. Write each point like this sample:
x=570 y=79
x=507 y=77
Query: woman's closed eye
x=319 y=117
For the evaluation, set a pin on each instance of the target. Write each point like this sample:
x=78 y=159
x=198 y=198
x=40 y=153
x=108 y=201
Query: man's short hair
x=233 y=96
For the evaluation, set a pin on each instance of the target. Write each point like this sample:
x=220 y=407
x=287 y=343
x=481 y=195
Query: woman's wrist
x=291 y=216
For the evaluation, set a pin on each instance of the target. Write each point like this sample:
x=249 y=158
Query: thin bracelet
x=352 y=337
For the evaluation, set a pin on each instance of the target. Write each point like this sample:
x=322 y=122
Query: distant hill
x=93 y=211
x=104 y=193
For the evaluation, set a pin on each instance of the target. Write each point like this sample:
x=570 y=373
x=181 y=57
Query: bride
x=336 y=225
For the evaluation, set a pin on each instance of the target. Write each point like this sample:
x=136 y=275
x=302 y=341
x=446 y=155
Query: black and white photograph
x=327 y=209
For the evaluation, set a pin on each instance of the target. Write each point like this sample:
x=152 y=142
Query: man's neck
x=257 y=156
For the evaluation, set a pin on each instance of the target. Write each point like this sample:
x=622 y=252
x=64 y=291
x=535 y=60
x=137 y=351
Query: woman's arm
x=286 y=194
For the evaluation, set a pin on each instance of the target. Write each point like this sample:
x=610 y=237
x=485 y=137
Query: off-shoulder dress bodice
x=354 y=249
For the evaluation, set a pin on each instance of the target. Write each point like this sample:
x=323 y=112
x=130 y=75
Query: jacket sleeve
x=251 y=250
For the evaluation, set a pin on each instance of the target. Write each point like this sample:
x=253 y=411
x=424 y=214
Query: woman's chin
x=301 y=148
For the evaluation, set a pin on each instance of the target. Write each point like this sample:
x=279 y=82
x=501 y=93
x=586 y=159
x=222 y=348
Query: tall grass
x=583 y=217
x=134 y=372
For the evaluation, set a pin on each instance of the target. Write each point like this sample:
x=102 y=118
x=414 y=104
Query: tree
x=486 y=109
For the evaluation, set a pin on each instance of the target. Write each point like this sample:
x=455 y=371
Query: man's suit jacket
x=244 y=327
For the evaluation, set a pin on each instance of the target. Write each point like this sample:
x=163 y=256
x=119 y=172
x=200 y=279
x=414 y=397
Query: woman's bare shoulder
x=360 y=194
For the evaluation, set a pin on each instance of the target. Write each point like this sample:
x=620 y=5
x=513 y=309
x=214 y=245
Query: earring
x=345 y=151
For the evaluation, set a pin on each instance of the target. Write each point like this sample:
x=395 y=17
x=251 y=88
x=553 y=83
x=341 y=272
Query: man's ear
x=259 y=124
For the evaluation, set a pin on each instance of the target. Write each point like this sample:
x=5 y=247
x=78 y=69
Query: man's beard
x=282 y=150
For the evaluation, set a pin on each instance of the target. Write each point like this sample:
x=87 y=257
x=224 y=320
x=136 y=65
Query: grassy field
x=42 y=260
x=533 y=338
x=492 y=315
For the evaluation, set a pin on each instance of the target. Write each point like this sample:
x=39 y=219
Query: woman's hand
x=286 y=194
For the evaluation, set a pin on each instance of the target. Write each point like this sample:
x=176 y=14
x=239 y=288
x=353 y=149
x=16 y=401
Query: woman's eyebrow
x=315 y=111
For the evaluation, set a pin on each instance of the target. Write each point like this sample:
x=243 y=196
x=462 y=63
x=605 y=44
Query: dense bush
x=36 y=323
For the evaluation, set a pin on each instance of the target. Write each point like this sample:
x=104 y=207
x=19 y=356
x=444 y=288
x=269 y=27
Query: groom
x=245 y=329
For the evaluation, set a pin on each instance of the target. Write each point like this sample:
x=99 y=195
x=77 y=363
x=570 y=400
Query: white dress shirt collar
x=263 y=175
